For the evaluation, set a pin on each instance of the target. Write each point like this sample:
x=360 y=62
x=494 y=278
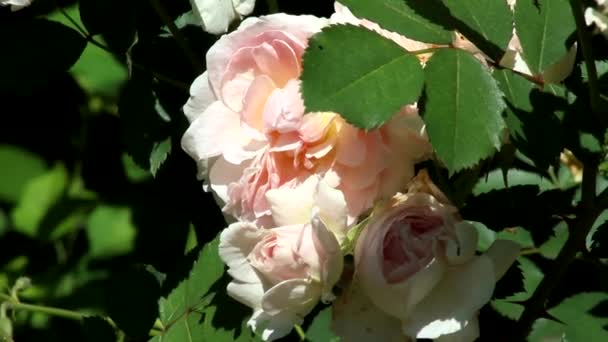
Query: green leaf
x=160 y=152
x=144 y=126
x=463 y=109
x=530 y=111
x=367 y=87
x=110 y=231
x=24 y=68
x=188 y=313
x=532 y=277
x=599 y=246
x=38 y=196
x=114 y=19
x=97 y=329
x=551 y=248
x=579 y=323
x=97 y=71
x=320 y=328
x=492 y=20
x=543 y=31
x=398 y=16
x=24 y=166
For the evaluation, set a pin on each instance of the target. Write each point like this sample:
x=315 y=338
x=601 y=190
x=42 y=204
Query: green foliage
x=493 y=20
x=528 y=112
x=577 y=324
x=400 y=17
x=60 y=45
x=24 y=166
x=37 y=198
x=110 y=231
x=320 y=328
x=462 y=110
x=373 y=83
x=187 y=313
x=599 y=247
x=116 y=26
x=543 y=27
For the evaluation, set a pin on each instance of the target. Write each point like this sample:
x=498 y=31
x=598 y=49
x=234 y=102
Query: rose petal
x=469 y=334
x=463 y=249
x=201 y=97
x=330 y=257
x=284 y=109
x=211 y=133
x=215 y=15
x=454 y=302
x=295 y=296
x=299 y=28
x=293 y=206
x=243 y=7
x=223 y=174
x=368 y=259
x=333 y=211
x=255 y=100
x=273 y=327
x=502 y=253
x=357 y=319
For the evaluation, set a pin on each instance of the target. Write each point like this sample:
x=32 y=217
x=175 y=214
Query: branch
x=179 y=37
x=578 y=230
x=585 y=41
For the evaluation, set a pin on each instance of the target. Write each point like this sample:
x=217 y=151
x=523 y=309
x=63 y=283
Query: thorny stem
x=179 y=37
x=585 y=41
x=578 y=230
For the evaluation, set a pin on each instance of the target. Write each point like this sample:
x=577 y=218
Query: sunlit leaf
x=367 y=87
x=463 y=109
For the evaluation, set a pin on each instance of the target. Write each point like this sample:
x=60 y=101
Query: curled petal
x=454 y=302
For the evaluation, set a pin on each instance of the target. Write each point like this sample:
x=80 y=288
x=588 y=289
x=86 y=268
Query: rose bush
x=249 y=132
x=283 y=272
x=415 y=261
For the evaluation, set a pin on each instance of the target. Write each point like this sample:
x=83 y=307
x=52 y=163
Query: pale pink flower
x=415 y=261
x=248 y=125
x=283 y=272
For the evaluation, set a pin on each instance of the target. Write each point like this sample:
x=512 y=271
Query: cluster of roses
x=308 y=188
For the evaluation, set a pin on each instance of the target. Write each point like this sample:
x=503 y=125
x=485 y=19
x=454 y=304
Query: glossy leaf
x=367 y=87
x=491 y=20
x=543 y=27
x=462 y=110
x=187 y=313
x=398 y=16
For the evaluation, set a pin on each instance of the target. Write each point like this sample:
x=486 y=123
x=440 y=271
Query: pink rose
x=283 y=272
x=248 y=125
x=415 y=261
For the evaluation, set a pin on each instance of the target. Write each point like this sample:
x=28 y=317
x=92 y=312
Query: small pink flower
x=283 y=272
x=415 y=261
x=248 y=124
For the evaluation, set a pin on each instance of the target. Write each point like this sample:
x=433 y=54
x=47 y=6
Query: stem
x=16 y=305
x=578 y=229
x=585 y=41
x=429 y=50
x=179 y=37
x=300 y=332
